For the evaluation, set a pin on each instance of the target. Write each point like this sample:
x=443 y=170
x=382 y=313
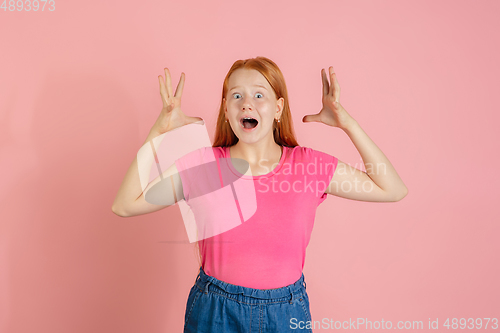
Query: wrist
x=350 y=125
x=151 y=135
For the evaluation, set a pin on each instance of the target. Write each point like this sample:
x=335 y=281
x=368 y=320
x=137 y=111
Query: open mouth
x=248 y=122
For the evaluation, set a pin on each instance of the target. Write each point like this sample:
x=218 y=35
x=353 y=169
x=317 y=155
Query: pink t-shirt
x=268 y=250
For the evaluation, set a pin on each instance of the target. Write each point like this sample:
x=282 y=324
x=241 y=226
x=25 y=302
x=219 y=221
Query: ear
x=224 y=107
x=281 y=105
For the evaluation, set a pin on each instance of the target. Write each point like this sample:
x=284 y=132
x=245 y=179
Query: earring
x=278 y=120
x=226 y=120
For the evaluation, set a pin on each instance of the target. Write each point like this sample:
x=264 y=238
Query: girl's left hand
x=332 y=113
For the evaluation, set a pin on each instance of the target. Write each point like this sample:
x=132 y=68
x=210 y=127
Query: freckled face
x=249 y=94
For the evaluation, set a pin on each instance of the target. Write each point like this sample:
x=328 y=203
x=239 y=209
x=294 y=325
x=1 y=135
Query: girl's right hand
x=171 y=115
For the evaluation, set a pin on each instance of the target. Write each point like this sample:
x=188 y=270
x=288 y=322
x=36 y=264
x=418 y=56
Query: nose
x=246 y=103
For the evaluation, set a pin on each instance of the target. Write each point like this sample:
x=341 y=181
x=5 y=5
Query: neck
x=255 y=152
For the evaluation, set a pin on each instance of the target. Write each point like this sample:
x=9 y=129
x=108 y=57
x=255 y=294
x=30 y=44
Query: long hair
x=283 y=132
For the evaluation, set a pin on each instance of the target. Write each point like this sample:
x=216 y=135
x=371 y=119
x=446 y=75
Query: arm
x=170 y=127
x=130 y=199
x=379 y=183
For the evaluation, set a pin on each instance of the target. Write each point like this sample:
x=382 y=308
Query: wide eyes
x=236 y=94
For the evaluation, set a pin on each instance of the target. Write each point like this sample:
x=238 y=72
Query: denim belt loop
x=206 y=286
x=305 y=285
x=291 y=293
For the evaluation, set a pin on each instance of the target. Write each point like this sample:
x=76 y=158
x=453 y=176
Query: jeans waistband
x=205 y=282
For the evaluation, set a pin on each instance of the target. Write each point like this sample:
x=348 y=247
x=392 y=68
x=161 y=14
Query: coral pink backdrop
x=79 y=92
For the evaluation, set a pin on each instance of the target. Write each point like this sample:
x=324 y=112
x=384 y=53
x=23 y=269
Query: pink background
x=79 y=92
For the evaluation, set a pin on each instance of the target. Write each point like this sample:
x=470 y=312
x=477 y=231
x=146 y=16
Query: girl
x=250 y=277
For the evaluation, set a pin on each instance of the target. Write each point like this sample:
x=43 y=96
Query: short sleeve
x=326 y=166
x=186 y=167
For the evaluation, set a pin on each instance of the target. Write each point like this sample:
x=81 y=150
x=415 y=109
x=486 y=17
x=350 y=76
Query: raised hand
x=171 y=115
x=332 y=113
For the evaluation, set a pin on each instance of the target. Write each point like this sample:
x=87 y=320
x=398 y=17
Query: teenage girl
x=250 y=277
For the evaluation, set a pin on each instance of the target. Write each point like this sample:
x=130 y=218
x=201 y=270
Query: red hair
x=283 y=131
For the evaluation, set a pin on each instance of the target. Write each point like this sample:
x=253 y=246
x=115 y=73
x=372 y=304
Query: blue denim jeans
x=218 y=307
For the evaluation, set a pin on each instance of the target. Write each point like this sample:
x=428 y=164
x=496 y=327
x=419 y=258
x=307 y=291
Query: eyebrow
x=257 y=85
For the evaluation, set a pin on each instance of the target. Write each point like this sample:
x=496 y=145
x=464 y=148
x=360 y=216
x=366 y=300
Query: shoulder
x=206 y=151
x=199 y=156
x=299 y=151
x=307 y=153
